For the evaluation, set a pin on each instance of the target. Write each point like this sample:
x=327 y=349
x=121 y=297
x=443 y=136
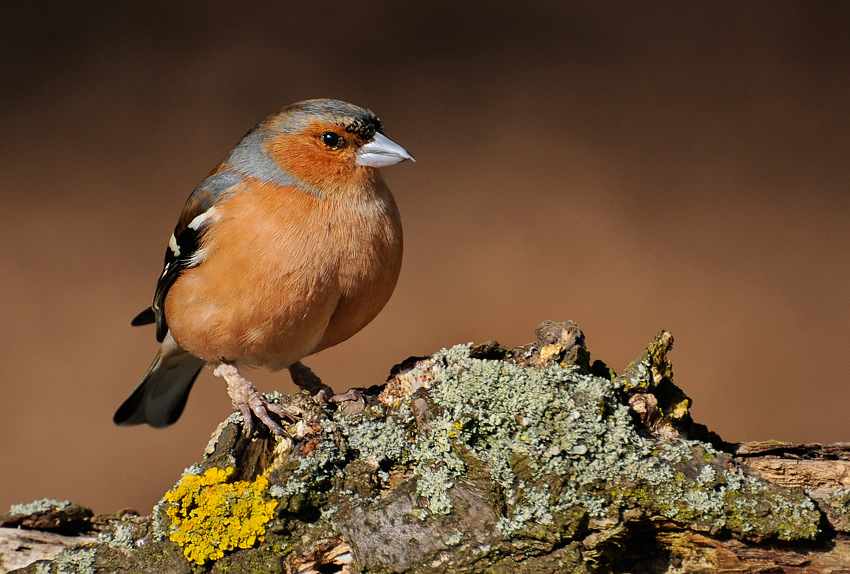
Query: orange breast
x=285 y=274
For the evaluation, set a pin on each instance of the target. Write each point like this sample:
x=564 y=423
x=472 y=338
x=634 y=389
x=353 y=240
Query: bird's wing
x=184 y=248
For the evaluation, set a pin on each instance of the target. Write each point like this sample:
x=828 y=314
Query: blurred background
x=631 y=166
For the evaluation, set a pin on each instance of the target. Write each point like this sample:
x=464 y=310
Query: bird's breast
x=285 y=274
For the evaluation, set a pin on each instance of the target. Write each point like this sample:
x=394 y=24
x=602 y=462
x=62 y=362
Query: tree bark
x=479 y=459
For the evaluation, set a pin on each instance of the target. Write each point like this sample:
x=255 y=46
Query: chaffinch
x=291 y=245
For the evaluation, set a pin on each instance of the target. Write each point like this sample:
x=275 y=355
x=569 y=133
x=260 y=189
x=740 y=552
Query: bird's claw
x=351 y=395
x=350 y=402
x=258 y=406
x=248 y=400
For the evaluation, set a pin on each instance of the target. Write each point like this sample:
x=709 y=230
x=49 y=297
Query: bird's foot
x=350 y=402
x=306 y=379
x=248 y=400
x=351 y=395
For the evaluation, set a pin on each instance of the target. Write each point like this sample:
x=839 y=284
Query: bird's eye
x=331 y=139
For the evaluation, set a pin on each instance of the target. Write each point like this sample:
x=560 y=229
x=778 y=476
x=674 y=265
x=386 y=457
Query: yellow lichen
x=210 y=516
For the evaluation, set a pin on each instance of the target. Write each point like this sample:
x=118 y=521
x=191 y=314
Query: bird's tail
x=160 y=397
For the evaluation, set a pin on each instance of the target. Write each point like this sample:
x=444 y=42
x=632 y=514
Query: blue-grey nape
x=250 y=158
x=211 y=189
x=351 y=118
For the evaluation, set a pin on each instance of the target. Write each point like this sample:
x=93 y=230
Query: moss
x=652 y=367
x=211 y=516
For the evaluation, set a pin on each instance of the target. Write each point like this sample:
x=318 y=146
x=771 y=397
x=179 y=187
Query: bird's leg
x=306 y=379
x=248 y=400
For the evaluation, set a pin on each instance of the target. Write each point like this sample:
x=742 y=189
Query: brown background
x=631 y=166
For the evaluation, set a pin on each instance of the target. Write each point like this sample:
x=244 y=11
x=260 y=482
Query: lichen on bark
x=478 y=459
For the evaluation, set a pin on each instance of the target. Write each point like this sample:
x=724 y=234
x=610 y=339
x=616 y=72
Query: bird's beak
x=381 y=151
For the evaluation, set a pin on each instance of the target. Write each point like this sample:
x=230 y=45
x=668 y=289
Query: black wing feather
x=146 y=317
x=187 y=240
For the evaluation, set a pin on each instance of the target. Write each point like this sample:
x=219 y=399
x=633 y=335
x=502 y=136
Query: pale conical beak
x=381 y=151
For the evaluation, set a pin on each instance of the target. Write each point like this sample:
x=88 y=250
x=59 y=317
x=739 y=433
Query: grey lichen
x=493 y=460
x=122 y=536
x=38 y=506
x=835 y=503
x=555 y=438
x=70 y=561
x=839 y=500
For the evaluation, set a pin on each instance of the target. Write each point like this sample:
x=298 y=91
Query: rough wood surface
x=20 y=547
x=478 y=459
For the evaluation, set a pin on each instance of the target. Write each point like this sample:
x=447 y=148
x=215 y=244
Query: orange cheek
x=303 y=158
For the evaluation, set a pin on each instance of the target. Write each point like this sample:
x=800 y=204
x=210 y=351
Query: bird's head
x=328 y=143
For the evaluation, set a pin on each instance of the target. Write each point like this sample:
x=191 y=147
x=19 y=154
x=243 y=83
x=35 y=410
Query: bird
x=291 y=245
